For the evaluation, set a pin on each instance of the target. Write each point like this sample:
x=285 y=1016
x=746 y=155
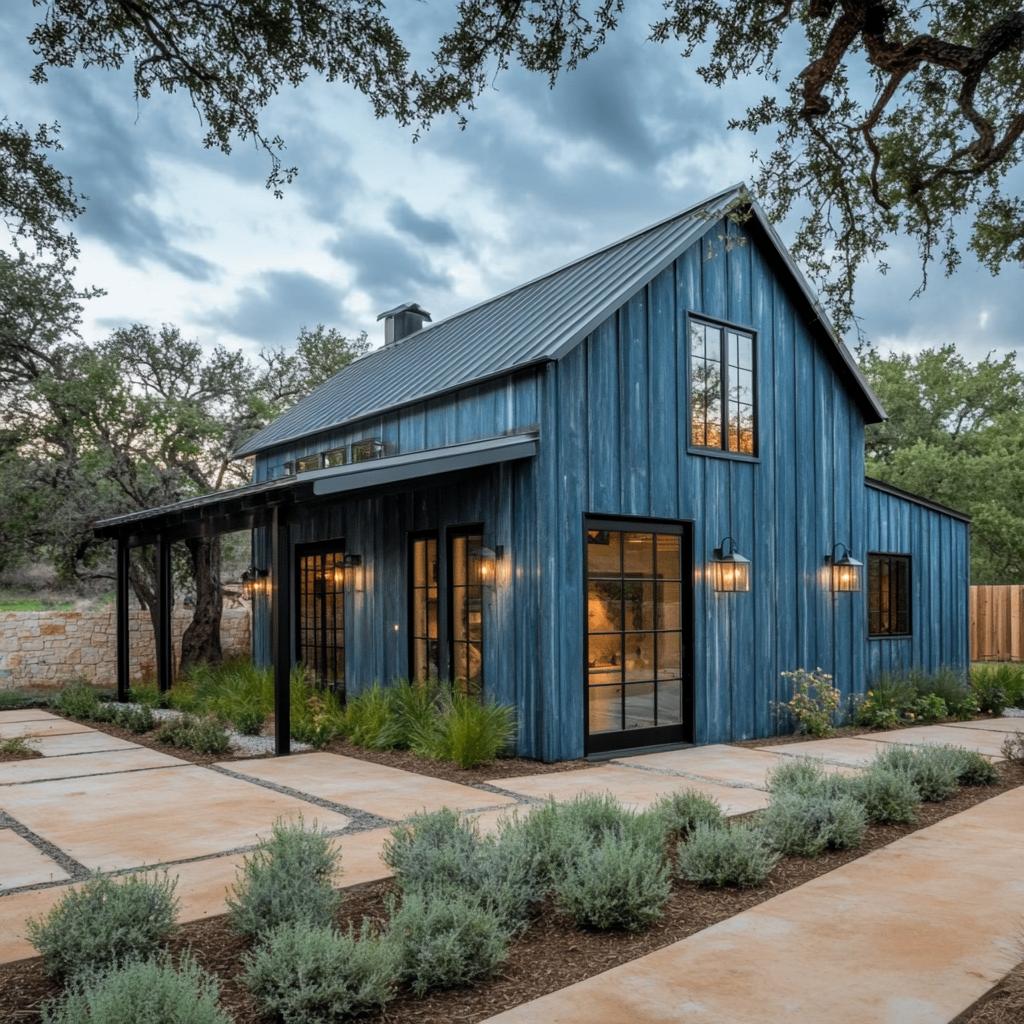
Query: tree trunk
x=201 y=641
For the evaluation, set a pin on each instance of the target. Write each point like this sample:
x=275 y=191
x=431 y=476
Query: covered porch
x=275 y=506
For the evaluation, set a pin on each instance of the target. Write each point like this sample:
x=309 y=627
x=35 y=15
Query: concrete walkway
x=912 y=933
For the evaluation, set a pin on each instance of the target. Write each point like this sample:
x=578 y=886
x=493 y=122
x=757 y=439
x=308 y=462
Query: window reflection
x=722 y=396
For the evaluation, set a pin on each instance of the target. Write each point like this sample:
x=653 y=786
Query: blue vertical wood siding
x=614 y=441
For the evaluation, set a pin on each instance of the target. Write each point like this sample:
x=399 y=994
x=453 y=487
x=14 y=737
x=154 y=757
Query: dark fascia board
x=899 y=492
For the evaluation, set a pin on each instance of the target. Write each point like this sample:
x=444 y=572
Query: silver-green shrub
x=805 y=825
x=141 y=992
x=103 y=921
x=447 y=939
x=288 y=879
x=972 y=768
x=888 y=797
x=619 y=882
x=310 y=974
x=203 y=735
x=678 y=814
x=736 y=855
x=931 y=769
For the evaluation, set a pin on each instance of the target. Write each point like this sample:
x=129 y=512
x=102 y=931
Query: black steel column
x=123 y=639
x=281 y=629
x=164 y=607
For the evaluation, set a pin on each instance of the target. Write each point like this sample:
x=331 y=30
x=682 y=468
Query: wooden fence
x=997 y=623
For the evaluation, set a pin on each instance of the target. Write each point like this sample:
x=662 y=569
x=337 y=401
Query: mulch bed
x=550 y=955
x=1002 y=1005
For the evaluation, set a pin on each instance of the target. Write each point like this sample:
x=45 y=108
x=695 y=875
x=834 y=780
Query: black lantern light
x=730 y=571
x=255 y=581
x=846 y=570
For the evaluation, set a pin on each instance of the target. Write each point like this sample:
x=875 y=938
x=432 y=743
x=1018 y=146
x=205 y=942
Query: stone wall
x=48 y=648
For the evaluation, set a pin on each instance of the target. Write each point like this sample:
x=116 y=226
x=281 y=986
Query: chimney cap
x=406 y=307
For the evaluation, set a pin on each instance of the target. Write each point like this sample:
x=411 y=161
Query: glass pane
x=640 y=706
x=335 y=457
x=420 y=657
x=459 y=614
x=475 y=609
x=696 y=339
x=670 y=658
x=605 y=708
x=604 y=658
x=638 y=554
x=604 y=552
x=431 y=556
x=668 y=557
x=459 y=561
x=746 y=351
x=419 y=563
x=604 y=606
x=638 y=605
x=670 y=703
x=639 y=656
x=432 y=613
x=670 y=608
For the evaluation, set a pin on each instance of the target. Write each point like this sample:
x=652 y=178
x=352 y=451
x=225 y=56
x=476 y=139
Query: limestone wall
x=48 y=648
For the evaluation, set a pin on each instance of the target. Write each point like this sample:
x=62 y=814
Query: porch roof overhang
x=241 y=508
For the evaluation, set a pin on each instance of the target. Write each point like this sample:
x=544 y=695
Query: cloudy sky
x=175 y=233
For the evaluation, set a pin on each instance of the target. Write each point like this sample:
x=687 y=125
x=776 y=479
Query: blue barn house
x=623 y=497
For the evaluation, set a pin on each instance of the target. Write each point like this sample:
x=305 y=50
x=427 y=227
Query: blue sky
x=179 y=234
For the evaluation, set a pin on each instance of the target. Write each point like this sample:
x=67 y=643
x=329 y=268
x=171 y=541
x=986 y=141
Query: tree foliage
x=905 y=118
x=955 y=434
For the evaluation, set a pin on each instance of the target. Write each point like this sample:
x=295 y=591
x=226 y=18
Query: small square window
x=335 y=457
x=308 y=463
x=365 y=450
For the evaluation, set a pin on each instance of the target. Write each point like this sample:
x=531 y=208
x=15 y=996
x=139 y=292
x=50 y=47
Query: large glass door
x=320 y=623
x=638 y=634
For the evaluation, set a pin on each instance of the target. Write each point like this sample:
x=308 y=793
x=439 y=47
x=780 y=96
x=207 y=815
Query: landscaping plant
x=1013 y=748
x=678 y=814
x=317 y=717
x=141 y=992
x=369 y=719
x=888 y=797
x=737 y=855
x=447 y=940
x=932 y=771
x=77 y=700
x=17 y=747
x=930 y=708
x=619 y=882
x=466 y=730
x=103 y=921
x=991 y=684
x=288 y=879
x=311 y=974
x=814 y=701
x=971 y=768
x=203 y=735
x=805 y=825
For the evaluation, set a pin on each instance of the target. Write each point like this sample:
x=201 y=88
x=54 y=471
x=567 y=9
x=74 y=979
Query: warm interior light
x=846 y=570
x=729 y=570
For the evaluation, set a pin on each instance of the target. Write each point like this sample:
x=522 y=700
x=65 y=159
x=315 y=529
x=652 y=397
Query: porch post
x=281 y=629
x=164 y=605
x=123 y=640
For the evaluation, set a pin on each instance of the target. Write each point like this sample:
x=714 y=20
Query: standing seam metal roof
x=535 y=322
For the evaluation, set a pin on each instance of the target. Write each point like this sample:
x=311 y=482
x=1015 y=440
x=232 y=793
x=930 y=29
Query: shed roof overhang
x=242 y=508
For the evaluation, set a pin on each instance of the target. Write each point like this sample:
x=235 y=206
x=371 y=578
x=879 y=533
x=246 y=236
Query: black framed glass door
x=638 y=644
x=320 y=622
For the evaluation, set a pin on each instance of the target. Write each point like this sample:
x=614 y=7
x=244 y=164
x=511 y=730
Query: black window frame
x=874 y=630
x=413 y=538
x=339 y=658
x=317 y=458
x=722 y=450
x=366 y=449
x=451 y=535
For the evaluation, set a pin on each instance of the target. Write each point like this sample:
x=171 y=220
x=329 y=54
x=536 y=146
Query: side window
x=722 y=397
x=424 y=662
x=889 y=595
x=465 y=600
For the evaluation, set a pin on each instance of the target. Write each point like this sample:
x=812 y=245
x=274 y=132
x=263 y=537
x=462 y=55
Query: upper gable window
x=722 y=388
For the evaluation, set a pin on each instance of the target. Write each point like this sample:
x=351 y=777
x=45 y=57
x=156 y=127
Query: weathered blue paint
x=614 y=440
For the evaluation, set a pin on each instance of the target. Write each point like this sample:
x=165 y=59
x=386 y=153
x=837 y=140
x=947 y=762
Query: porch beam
x=281 y=628
x=164 y=606
x=123 y=638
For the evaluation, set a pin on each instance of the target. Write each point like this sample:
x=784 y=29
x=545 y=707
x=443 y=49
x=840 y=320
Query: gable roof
x=533 y=323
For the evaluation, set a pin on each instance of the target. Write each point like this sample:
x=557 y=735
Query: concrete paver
x=1003 y=725
x=22 y=864
x=854 y=752
x=635 y=788
x=40 y=727
x=89 y=742
x=983 y=741
x=25 y=715
x=108 y=822
x=900 y=936
x=376 y=788
x=131 y=758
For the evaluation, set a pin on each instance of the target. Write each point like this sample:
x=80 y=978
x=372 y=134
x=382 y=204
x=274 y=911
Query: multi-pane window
x=335 y=457
x=889 y=595
x=722 y=398
x=634 y=630
x=368 y=448
x=466 y=603
x=321 y=618
x=425 y=662
x=308 y=463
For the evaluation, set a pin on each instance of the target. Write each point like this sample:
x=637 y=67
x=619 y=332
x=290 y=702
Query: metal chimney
x=402 y=321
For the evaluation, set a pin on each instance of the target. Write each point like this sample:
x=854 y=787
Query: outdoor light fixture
x=730 y=571
x=255 y=581
x=489 y=558
x=846 y=570
x=353 y=565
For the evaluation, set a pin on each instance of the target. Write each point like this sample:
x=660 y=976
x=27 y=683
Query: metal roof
x=358 y=476
x=536 y=322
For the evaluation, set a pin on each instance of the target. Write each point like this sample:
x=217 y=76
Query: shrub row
x=202 y=735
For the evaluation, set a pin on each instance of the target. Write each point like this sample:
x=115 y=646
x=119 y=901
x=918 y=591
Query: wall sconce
x=489 y=559
x=846 y=570
x=255 y=581
x=730 y=571
x=353 y=565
